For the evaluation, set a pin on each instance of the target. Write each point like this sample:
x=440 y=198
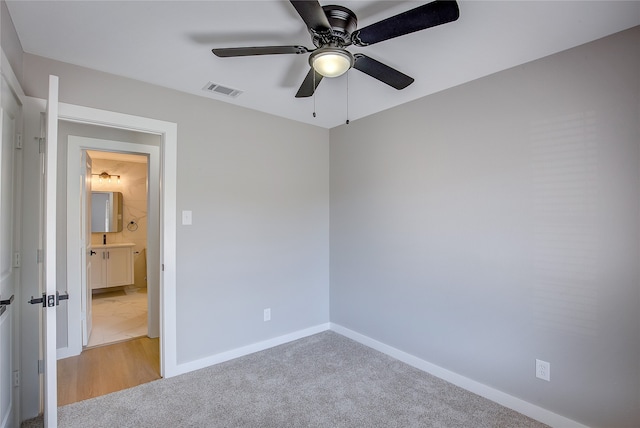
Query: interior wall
x=497 y=223
x=10 y=42
x=258 y=187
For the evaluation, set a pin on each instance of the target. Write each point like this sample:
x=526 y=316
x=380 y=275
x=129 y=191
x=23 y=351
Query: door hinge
x=162 y=267
x=18 y=141
x=40 y=366
x=16 y=259
x=39 y=256
x=42 y=144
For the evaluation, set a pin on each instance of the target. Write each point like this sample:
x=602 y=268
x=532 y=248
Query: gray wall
x=497 y=222
x=258 y=187
x=10 y=41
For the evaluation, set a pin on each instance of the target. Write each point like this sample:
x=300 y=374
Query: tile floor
x=118 y=315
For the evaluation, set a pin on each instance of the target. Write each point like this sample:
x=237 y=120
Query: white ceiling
x=168 y=43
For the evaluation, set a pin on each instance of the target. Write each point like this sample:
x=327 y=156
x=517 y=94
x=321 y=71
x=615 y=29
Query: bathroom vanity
x=111 y=265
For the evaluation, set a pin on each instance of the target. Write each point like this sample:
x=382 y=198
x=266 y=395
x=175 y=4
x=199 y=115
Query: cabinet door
x=119 y=267
x=98 y=273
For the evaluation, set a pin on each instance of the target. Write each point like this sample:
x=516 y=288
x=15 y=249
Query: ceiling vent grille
x=221 y=90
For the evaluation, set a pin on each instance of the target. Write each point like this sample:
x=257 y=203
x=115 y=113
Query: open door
x=9 y=113
x=86 y=251
x=51 y=296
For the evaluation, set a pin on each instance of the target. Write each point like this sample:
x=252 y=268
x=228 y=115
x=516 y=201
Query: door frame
x=85 y=244
x=75 y=249
x=168 y=132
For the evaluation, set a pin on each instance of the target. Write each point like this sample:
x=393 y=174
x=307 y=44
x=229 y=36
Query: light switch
x=186 y=218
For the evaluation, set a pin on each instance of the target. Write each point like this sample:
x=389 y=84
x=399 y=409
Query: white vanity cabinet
x=111 y=265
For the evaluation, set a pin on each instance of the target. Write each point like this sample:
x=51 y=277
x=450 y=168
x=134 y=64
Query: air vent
x=222 y=90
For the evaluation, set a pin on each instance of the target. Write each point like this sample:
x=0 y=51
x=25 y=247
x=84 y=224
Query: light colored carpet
x=325 y=380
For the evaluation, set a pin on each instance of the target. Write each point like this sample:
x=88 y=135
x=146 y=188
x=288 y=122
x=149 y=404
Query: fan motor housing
x=343 y=22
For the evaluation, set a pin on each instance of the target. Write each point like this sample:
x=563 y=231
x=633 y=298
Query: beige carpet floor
x=325 y=380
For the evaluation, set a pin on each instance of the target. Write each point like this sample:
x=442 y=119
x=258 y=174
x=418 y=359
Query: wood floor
x=104 y=369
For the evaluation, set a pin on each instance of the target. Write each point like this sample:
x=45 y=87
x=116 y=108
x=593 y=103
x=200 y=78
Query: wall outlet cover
x=543 y=370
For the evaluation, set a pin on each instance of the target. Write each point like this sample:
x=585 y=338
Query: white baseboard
x=249 y=349
x=509 y=401
x=65 y=352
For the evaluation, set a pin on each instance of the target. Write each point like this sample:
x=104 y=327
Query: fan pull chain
x=314 y=93
x=348 y=98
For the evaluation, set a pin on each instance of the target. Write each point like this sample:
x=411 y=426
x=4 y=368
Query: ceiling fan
x=333 y=29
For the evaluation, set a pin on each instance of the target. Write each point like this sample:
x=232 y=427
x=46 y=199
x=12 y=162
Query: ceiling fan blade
x=309 y=84
x=422 y=17
x=382 y=72
x=312 y=14
x=259 y=50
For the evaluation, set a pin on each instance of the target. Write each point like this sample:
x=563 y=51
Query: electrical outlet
x=267 y=314
x=543 y=370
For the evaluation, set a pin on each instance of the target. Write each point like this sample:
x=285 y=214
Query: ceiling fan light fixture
x=331 y=62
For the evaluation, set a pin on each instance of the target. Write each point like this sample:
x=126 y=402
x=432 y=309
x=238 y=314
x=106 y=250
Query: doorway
x=36 y=395
x=122 y=264
x=118 y=280
x=77 y=256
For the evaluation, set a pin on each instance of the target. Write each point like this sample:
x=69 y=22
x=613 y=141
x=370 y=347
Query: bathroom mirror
x=106 y=211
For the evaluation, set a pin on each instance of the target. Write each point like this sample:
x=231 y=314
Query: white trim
x=249 y=349
x=66 y=352
x=50 y=257
x=9 y=417
x=75 y=145
x=11 y=79
x=509 y=401
x=169 y=135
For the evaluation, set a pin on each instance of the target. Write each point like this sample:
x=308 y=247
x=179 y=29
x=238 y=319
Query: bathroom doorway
x=117 y=143
x=123 y=280
x=118 y=261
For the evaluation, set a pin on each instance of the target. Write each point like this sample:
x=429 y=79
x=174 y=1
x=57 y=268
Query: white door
x=85 y=243
x=49 y=333
x=8 y=114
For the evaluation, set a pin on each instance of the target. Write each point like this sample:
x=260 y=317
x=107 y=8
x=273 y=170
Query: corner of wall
x=10 y=41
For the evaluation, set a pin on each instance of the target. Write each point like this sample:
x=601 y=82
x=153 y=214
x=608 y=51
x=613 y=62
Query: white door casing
x=75 y=146
x=167 y=221
x=85 y=247
x=49 y=335
x=6 y=268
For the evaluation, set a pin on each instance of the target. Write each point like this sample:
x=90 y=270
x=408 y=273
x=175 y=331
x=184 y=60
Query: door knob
x=91 y=253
